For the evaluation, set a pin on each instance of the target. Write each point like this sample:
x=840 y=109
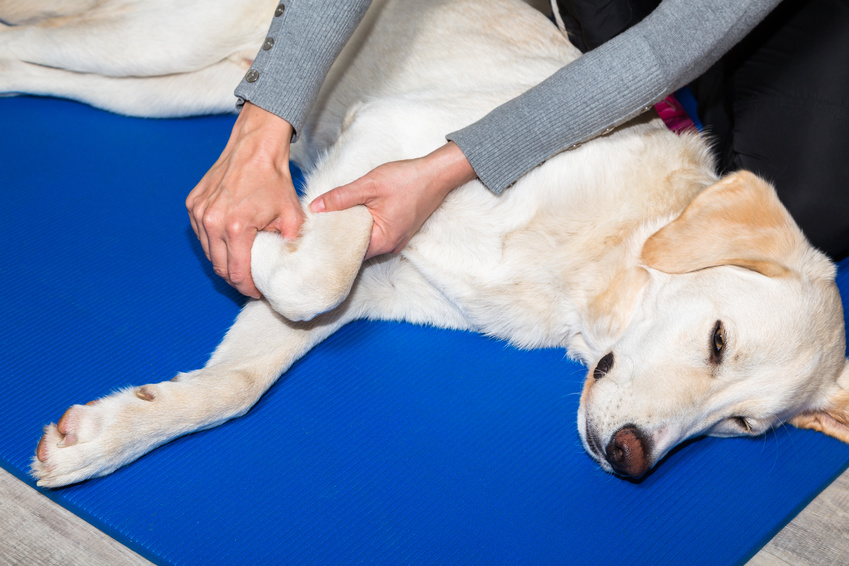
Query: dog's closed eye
x=742 y=423
x=717 y=343
x=734 y=426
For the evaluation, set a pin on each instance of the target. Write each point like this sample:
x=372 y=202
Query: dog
x=695 y=301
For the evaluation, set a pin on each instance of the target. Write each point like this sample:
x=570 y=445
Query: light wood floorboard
x=818 y=536
x=36 y=531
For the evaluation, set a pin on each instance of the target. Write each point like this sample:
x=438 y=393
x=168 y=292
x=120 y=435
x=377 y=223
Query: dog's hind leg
x=208 y=91
x=95 y=439
x=139 y=40
x=18 y=12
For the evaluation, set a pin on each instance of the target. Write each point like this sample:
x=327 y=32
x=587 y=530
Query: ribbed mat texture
x=387 y=444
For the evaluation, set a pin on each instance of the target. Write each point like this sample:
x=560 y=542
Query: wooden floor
x=818 y=536
x=34 y=530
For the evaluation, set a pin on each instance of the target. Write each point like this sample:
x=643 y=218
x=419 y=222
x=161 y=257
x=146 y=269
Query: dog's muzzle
x=628 y=452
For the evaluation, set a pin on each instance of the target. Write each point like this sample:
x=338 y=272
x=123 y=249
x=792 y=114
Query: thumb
x=339 y=198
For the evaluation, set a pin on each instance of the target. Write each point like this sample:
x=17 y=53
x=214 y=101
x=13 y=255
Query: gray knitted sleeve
x=304 y=39
x=669 y=48
x=607 y=86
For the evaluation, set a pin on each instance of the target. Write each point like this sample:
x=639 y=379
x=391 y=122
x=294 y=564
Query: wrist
x=271 y=133
x=451 y=167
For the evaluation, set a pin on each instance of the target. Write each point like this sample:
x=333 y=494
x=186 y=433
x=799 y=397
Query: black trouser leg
x=778 y=105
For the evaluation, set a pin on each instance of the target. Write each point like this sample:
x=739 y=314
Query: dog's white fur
x=627 y=245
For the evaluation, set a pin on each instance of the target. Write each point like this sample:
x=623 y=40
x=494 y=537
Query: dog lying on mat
x=695 y=301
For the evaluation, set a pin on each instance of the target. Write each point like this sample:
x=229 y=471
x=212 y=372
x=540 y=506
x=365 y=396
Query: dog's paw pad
x=146 y=393
x=51 y=437
x=67 y=427
x=80 y=423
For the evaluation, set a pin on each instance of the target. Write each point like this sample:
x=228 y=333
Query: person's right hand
x=248 y=189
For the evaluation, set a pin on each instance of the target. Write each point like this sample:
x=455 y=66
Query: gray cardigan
x=607 y=86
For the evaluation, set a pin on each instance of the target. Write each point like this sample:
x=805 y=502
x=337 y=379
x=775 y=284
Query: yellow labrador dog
x=696 y=302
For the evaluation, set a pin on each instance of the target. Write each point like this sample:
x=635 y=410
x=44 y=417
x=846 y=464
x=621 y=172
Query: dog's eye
x=742 y=423
x=603 y=366
x=735 y=426
x=717 y=342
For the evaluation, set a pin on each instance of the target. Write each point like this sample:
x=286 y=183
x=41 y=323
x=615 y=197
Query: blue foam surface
x=389 y=443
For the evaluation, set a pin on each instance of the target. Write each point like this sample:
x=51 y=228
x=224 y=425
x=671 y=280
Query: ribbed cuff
x=304 y=39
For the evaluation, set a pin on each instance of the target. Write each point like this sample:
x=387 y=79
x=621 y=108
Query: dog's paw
x=314 y=274
x=91 y=440
x=71 y=450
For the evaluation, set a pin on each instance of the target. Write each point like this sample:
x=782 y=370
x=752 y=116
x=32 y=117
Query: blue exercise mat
x=389 y=443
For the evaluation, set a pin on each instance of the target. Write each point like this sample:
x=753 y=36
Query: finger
x=218 y=256
x=193 y=223
x=196 y=219
x=379 y=243
x=196 y=228
x=197 y=202
x=288 y=224
x=340 y=198
x=191 y=204
x=239 y=264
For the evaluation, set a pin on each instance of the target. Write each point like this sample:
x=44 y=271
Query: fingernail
x=317 y=205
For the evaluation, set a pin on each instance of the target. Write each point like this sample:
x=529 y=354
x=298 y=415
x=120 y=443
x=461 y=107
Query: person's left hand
x=401 y=195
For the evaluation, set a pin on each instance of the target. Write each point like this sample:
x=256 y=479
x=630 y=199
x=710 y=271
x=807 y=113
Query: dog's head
x=740 y=329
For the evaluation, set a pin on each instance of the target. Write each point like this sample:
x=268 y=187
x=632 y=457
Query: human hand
x=249 y=188
x=401 y=195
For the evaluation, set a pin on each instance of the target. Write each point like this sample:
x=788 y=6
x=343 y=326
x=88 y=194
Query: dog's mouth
x=592 y=445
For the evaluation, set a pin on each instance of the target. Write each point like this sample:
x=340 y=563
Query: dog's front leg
x=313 y=274
x=97 y=438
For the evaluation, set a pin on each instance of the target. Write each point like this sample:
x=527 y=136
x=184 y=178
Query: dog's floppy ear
x=834 y=419
x=737 y=221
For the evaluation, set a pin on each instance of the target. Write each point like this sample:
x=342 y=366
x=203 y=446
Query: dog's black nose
x=603 y=366
x=627 y=452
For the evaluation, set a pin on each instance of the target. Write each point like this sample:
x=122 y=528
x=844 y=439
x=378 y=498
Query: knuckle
x=234 y=227
x=331 y=198
x=238 y=277
x=211 y=219
x=195 y=208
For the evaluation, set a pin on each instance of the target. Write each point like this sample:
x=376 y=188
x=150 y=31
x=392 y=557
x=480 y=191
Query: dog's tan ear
x=834 y=419
x=737 y=221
